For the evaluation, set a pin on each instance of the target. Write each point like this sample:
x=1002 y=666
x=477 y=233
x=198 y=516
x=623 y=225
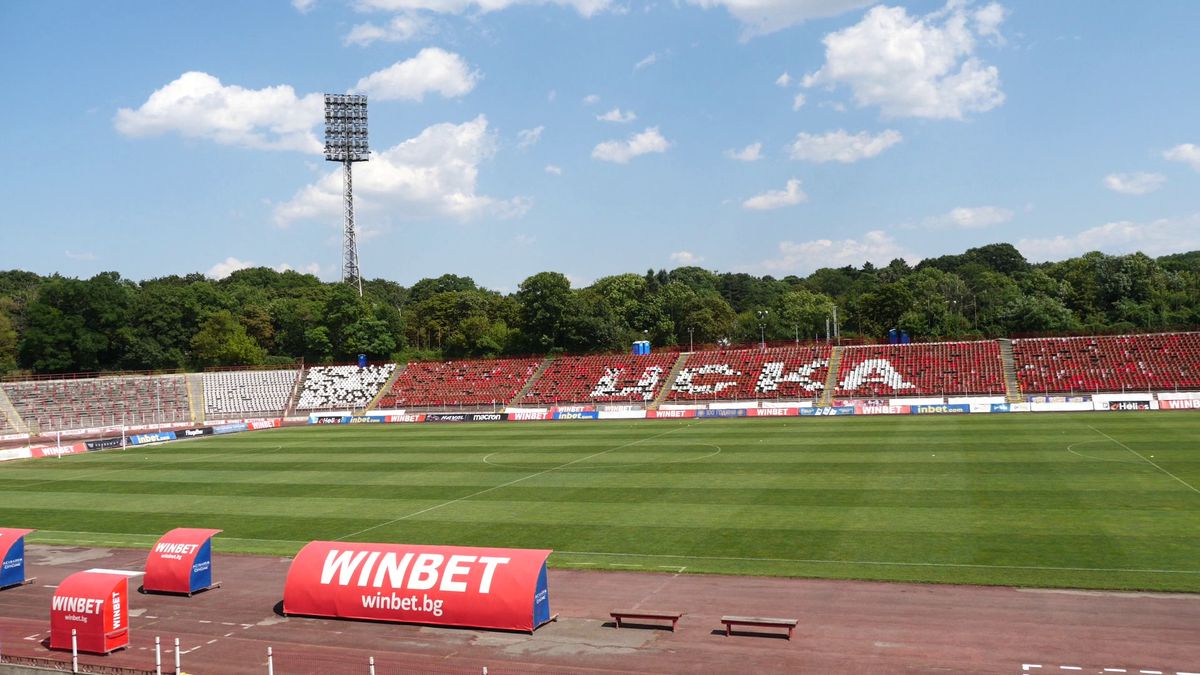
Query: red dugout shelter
x=95 y=604
x=181 y=562
x=498 y=588
x=12 y=556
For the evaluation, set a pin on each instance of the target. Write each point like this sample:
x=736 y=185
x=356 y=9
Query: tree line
x=257 y=316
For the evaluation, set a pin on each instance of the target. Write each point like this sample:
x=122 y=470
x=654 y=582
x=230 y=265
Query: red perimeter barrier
x=96 y=605
x=443 y=585
x=181 y=562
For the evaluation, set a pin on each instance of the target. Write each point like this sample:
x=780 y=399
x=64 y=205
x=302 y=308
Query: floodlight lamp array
x=346 y=128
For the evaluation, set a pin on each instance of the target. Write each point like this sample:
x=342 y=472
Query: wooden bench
x=646 y=615
x=758 y=622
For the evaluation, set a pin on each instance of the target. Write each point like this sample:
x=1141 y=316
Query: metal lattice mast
x=346 y=142
x=350 y=273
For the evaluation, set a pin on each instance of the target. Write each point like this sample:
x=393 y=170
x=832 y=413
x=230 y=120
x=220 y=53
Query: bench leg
x=728 y=628
x=618 y=620
x=790 y=629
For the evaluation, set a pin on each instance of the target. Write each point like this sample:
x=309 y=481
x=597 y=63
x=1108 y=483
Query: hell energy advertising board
x=498 y=588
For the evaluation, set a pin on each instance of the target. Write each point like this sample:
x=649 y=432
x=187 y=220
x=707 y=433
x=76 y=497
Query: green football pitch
x=1072 y=500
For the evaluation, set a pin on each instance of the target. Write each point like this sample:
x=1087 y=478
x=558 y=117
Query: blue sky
x=595 y=137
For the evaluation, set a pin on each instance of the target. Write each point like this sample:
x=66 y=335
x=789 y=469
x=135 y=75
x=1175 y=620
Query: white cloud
x=988 y=19
x=402 y=28
x=777 y=199
x=970 y=218
x=783 y=80
x=226 y=267
x=197 y=105
x=686 y=258
x=231 y=264
x=591 y=99
x=750 y=153
x=617 y=115
x=1137 y=184
x=914 y=66
x=311 y=268
x=433 y=175
x=527 y=138
x=621 y=152
x=839 y=146
x=804 y=257
x=431 y=70
x=552 y=95
x=554 y=170
x=1186 y=153
x=760 y=17
x=80 y=255
x=646 y=62
x=304 y=6
x=1154 y=238
x=798 y=102
x=586 y=8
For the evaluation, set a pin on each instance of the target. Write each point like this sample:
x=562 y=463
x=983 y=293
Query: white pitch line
x=1114 y=670
x=884 y=563
x=1182 y=481
x=1070 y=668
x=511 y=482
x=1027 y=666
x=1151 y=672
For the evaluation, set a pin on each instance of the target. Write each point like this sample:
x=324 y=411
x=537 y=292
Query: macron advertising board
x=468 y=587
x=181 y=562
x=96 y=606
x=12 y=556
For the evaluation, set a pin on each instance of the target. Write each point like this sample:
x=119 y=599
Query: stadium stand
x=329 y=387
x=604 y=378
x=921 y=369
x=1161 y=362
x=746 y=374
x=459 y=383
x=245 y=392
x=59 y=405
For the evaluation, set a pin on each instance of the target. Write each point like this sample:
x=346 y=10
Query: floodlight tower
x=346 y=142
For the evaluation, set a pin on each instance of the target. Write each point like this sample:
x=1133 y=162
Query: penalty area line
x=880 y=563
x=509 y=483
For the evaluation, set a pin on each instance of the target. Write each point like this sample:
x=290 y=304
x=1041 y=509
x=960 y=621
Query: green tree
x=8 y=339
x=74 y=325
x=544 y=301
x=223 y=341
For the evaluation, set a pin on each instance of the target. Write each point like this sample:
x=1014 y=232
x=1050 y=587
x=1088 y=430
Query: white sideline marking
x=511 y=482
x=1027 y=666
x=1070 y=668
x=212 y=641
x=1185 y=483
x=1151 y=672
x=33 y=637
x=876 y=562
x=1114 y=670
x=203 y=621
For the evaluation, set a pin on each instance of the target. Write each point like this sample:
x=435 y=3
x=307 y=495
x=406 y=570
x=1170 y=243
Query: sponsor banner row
x=13 y=437
x=1179 y=404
